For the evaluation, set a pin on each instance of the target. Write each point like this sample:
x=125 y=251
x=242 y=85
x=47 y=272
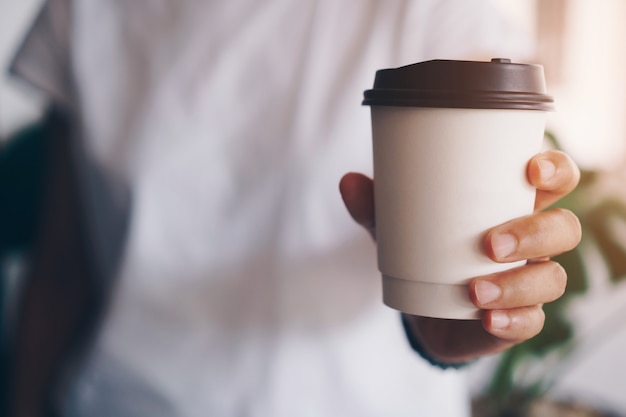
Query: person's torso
x=246 y=289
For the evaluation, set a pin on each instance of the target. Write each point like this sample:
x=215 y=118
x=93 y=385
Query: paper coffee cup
x=451 y=140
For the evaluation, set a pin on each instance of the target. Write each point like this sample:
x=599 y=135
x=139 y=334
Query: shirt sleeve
x=43 y=60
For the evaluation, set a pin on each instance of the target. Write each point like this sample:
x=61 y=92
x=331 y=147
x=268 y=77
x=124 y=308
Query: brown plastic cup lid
x=498 y=84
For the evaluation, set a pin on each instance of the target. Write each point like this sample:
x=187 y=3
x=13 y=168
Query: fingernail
x=500 y=320
x=487 y=292
x=503 y=245
x=547 y=169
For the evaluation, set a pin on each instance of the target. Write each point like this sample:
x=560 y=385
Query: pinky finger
x=515 y=325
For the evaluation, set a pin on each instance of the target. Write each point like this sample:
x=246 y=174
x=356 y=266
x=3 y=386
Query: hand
x=511 y=300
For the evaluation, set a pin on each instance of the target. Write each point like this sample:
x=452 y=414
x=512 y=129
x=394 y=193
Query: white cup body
x=442 y=178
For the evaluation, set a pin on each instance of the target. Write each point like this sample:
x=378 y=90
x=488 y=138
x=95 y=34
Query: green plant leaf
x=607 y=224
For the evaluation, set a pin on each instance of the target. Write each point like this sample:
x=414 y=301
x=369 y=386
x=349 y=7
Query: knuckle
x=535 y=325
x=571 y=223
x=527 y=323
x=567 y=164
x=540 y=320
x=559 y=277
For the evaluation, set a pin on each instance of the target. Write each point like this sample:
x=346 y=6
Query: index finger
x=554 y=174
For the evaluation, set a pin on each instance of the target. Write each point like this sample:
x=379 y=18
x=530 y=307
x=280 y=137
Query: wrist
x=414 y=330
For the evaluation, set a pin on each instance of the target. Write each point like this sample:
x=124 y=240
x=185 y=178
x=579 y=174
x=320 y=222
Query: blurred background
x=580 y=44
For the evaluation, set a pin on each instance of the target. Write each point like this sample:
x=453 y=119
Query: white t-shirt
x=245 y=289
